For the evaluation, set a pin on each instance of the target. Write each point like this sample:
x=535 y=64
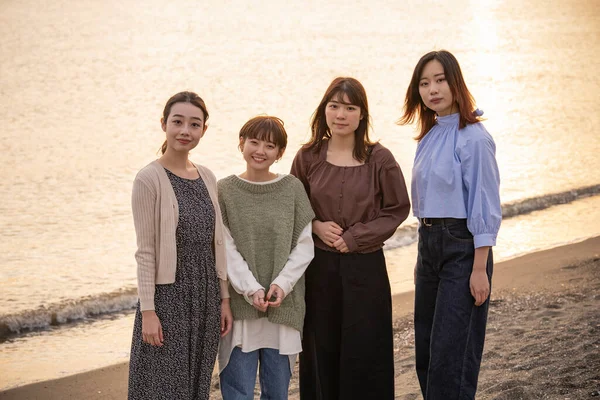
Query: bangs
x=265 y=128
x=353 y=97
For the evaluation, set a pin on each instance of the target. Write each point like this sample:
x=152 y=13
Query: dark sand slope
x=543 y=339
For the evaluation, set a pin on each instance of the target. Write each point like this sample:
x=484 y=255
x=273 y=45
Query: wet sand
x=543 y=336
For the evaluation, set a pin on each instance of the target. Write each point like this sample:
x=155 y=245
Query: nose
x=341 y=113
x=433 y=88
x=184 y=129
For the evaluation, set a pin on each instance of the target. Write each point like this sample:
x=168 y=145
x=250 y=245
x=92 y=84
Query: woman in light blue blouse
x=455 y=196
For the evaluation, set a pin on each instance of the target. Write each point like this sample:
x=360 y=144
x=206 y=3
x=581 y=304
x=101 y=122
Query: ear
x=204 y=131
x=241 y=144
x=281 y=151
x=163 y=125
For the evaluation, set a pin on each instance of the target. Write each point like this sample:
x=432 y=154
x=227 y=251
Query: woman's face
x=184 y=127
x=435 y=91
x=342 y=117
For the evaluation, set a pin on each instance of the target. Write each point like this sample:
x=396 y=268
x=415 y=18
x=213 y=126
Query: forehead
x=432 y=68
x=341 y=97
x=187 y=110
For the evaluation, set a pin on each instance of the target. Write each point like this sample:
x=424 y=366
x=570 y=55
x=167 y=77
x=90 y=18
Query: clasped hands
x=331 y=234
x=273 y=298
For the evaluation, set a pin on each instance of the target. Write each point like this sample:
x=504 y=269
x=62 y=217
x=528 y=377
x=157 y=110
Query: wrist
x=225 y=301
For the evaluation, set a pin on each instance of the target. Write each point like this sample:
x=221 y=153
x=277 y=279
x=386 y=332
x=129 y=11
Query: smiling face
x=342 y=117
x=435 y=91
x=259 y=154
x=184 y=127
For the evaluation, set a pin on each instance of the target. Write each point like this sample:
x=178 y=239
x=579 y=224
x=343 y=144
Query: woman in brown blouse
x=358 y=193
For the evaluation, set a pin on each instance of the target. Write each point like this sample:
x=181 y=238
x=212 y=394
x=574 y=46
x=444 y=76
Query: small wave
x=407 y=235
x=67 y=311
x=126 y=299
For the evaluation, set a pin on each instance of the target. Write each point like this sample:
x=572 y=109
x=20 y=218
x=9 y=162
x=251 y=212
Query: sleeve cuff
x=350 y=242
x=285 y=286
x=224 y=286
x=484 y=239
x=146 y=304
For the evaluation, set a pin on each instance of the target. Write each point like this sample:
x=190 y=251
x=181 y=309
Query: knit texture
x=265 y=222
x=155 y=217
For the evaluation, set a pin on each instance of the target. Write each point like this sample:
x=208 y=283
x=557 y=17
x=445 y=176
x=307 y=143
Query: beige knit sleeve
x=143 y=201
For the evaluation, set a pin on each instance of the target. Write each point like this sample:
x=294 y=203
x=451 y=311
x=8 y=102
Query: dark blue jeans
x=449 y=328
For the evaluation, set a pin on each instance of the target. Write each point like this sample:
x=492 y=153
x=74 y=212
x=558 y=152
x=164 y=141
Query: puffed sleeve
x=299 y=169
x=395 y=206
x=481 y=179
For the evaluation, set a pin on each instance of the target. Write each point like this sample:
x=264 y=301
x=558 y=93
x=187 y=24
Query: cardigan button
x=219 y=241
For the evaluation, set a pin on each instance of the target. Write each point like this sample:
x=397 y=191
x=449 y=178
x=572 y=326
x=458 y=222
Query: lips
x=183 y=141
x=436 y=100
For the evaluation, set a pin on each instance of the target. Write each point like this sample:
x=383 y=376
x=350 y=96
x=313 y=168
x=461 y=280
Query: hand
x=480 y=286
x=341 y=245
x=151 y=328
x=277 y=292
x=415 y=275
x=327 y=231
x=226 y=317
x=258 y=300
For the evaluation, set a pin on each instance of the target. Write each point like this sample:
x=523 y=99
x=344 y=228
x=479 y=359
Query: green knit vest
x=265 y=222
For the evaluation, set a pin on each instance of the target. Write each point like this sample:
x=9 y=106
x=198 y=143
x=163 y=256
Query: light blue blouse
x=455 y=175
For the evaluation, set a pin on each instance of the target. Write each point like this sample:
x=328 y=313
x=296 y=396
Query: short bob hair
x=357 y=97
x=267 y=128
x=183 y=97
x=414 y=106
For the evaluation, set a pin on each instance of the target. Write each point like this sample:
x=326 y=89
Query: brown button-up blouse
x=368 y=201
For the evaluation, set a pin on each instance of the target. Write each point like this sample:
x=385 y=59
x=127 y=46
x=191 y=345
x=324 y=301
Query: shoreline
x=545 y=274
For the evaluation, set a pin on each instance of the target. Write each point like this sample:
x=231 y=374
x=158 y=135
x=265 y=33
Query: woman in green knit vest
x=269 y=244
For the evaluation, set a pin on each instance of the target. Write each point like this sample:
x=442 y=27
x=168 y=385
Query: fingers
x=258 y=301
x=480 y=295
x=226 y=324
x=161 y=338
x=275 y=292
x=340 y=245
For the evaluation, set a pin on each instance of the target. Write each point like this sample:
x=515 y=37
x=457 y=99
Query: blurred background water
x=82 y=89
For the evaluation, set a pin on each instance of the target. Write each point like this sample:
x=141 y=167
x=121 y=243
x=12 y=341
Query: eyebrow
x=181 y=116
x=443 y=73
x=342 y=102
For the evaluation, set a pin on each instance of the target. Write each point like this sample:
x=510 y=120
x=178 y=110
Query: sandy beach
x=543 y=336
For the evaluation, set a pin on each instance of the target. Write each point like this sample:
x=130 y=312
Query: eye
x=333 y=105
x=176 y=122
x=196 y=125
x=423 y=84
x=270 y=146
x=441 y=79
x=351 y=108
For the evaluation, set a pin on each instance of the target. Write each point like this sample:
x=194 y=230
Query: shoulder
x=474 y=138
x=475 y=133
x=206 y=173
x=225 y=183
x=382 y=155
x=149 y=175
x=306 y=155
x=293 y=182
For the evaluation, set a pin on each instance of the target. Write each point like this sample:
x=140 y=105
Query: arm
x=482 y=182
x=395 y=206
x=297 y=262
x=240 y=276
x=143 y=201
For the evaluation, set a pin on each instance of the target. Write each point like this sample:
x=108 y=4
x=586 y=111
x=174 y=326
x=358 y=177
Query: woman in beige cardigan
x=182 y=277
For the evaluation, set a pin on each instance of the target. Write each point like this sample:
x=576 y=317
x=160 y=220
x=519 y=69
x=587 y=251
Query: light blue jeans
x=239 y=376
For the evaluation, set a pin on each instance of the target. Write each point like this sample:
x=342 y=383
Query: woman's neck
x=253 y=175
x=179 y=164
x=342 y=144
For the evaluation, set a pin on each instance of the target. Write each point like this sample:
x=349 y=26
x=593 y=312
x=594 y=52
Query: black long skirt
x=347 y=346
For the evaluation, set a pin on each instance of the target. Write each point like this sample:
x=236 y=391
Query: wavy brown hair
x=357 y=97
x=183 y=97
x=414 y=108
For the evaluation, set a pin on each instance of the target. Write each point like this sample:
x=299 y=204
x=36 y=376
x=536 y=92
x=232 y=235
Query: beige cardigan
x=155 y=216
